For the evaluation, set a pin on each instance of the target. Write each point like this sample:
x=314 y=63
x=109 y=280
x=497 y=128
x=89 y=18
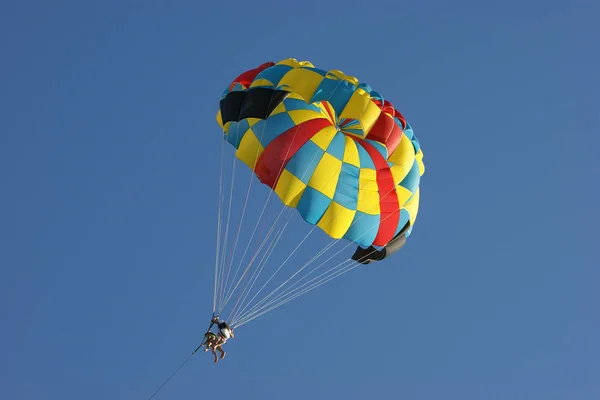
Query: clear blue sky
x=108 y=168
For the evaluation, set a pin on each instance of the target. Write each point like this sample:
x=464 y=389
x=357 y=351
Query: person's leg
x=214 y=354
x=221 y=351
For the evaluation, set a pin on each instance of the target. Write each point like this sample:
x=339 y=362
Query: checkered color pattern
x=333 y=148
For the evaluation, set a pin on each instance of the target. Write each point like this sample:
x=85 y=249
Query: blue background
x=109 y=155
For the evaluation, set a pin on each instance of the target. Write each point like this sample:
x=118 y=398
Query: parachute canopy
x=333 y=151
x=329 y=146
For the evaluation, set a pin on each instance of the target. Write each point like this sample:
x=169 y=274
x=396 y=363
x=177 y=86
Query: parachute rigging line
x=219 y=216
x=289 y=210
x=254 y=309
x=244 y=209
x=259 y=269
x=231 y=291
x=225 y=297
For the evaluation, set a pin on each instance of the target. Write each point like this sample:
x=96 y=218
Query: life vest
x=225 y=330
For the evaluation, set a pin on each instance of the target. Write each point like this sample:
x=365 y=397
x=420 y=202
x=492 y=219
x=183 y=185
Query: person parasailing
x=214 y=341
